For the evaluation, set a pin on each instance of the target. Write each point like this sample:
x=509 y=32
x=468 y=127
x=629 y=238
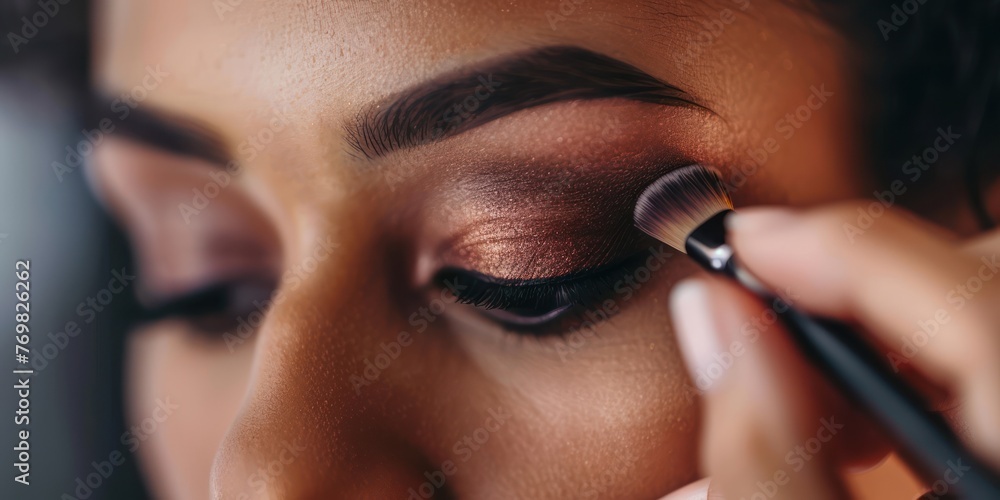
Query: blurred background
x=47 y=216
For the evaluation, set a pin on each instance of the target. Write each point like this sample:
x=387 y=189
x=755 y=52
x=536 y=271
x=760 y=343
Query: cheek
x=172 y=377
x=601 y=427
x=597 y=408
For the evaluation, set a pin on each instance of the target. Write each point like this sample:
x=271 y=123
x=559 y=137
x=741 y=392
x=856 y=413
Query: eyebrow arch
x=158 y=129
x=459 y=102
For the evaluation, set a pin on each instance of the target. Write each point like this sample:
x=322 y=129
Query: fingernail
x=751 y=220
x=697 y=490
x=695 y=331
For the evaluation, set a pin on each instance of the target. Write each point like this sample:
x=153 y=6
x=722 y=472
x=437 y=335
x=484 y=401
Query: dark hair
x=928 y=64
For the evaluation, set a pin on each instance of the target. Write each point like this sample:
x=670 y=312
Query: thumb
x=697 y=490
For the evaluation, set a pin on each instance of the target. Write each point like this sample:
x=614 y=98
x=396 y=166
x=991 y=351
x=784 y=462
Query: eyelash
x=216 y=308
x=564 y=294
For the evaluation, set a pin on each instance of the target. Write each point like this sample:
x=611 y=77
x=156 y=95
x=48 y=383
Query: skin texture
x=354 y=243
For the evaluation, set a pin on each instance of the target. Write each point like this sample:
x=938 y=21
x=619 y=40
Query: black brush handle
x=923 y=437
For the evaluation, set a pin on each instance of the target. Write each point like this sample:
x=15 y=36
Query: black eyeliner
x=539 y=296
x=220 y=297
x=199 y=302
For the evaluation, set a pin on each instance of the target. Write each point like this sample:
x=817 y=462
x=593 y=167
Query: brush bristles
x=677 y=203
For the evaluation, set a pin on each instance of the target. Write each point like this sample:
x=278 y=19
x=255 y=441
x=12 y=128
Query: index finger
x=926 y=300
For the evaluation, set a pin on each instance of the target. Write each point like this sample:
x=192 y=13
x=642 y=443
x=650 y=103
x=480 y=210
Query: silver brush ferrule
x=708 y=247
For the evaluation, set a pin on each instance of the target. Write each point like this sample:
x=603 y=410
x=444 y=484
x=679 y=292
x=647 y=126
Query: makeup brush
x=686 y=209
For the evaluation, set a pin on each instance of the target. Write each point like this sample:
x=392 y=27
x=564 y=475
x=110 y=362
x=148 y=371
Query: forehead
x=288 y=53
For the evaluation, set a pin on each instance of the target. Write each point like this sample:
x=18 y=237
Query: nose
x=305 y=429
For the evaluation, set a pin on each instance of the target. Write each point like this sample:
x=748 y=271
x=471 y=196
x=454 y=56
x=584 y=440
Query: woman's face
x=351 y=173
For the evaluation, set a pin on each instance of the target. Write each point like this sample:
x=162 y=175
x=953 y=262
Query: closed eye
x=215 y=309
x=533 y=306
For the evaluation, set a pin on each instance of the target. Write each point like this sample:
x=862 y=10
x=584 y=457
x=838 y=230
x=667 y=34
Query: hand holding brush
x=892 y=281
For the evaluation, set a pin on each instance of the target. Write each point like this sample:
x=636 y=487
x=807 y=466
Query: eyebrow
x=465 y=100
x=158 y=129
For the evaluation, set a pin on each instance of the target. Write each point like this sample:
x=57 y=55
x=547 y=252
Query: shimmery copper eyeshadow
x=550 y=191
x=559 y=222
